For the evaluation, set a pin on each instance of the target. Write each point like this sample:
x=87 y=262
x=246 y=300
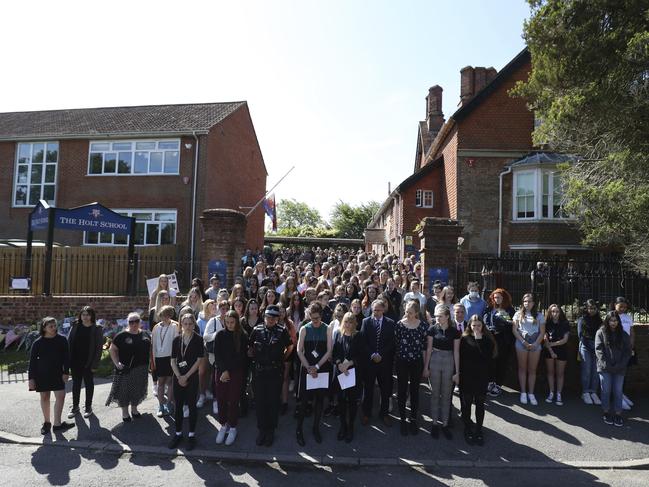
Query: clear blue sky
x=335 y=87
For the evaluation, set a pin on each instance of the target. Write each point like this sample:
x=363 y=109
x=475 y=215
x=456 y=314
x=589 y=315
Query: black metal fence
x=565 y=281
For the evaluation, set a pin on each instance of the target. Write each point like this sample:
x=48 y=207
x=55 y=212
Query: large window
x=424 y=198
x=538 y=194
x=134 y=157
x=35 y=177
x=152 y=227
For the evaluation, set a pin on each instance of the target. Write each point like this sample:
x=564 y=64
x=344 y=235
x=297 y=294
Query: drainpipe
x=500 y=209
x=194 y=186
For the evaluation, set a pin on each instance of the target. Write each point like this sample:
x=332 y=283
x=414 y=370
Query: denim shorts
x=528 y=339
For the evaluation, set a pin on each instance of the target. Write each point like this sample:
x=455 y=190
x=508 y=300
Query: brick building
x=481 y=168
x=161 y=164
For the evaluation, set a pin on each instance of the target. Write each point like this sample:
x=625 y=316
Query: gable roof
x=150 y=120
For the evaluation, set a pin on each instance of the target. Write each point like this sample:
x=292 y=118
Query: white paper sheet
x=320 y=382
x=347 y=381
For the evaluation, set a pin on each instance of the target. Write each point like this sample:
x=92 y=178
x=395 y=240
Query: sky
x=335 y=87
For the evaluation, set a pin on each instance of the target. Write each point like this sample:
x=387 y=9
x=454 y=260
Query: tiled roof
x=538 y=158
x=115 y=121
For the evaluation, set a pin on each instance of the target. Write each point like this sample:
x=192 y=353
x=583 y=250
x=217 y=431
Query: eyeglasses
x=134 y=321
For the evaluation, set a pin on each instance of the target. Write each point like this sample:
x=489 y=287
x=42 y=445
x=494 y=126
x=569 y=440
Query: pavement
x=516 y=437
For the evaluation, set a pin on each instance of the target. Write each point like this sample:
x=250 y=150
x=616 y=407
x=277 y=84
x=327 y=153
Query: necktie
x=378 y=334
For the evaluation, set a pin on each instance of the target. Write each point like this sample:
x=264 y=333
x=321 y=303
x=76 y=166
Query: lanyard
x=164 y=335
x=183 y=347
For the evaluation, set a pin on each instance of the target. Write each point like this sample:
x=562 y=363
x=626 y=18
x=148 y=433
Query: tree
x=292 y=214
x=351 y=221
x=589 y=86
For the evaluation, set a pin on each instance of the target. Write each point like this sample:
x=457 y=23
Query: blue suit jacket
x=387 y=343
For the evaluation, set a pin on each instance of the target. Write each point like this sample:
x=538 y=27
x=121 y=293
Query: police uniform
x=269 y=345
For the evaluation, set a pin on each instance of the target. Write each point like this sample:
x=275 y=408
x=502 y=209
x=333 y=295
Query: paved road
x=34 y=466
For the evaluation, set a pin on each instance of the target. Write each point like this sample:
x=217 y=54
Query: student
x=187 y=351
x=162 y=341
x=499 y=322
x=204 y=370
x=163 y=284
x=415 y=293
x=587 y=327
x=215 y=285
x=442 y=365
x=477 y=350
x=529 y=330
x=286 y=322
x=555 y=351
x=86 y=340
x=613 y=350
x=49 y=370
x=473 y=303
x=410 y=336
x=346 y=353
x=194 y=301
x=622 y=308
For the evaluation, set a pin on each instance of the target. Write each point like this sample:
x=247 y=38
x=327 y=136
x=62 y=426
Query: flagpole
x=266 y=193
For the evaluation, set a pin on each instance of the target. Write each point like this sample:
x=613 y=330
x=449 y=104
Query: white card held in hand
x=320 y=382
x=347 y=381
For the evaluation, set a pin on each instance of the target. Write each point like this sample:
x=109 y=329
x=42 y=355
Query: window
x=538 y=194
x=35 y=177
x=152 y=227
x=424 y=198
x=134 y=157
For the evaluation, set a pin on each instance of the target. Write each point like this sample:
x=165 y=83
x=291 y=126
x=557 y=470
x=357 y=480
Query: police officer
x=267 y=346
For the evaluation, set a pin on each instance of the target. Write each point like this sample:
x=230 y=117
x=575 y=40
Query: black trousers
x=186 y=396
x=499 y=365
x=408 y=379
x=347 y=406
x=381 y=373
x=467 y=400
x=85 y=375
x=267 y=387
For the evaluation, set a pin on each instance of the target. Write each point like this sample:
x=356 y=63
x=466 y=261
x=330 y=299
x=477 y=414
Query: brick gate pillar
x=439 y=250
x=223 y=244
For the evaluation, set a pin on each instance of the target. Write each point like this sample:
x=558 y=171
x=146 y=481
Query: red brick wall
x=449 y=151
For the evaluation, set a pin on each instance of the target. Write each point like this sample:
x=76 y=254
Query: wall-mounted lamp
x=186 y=179
x=188 y=146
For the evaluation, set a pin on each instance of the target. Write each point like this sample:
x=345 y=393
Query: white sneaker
x=215 y=408
x=628 y=401
x=232 y=435
x=201 y=401
x=185 y=411
x=550 y=397
x=220 y=436
x=532 y=399
x=595 y=398
x=208 y=395
x=587 y=398
x=559 y=400
x=625 y=405
x=523 y=398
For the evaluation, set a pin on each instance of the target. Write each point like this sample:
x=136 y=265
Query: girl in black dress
x=555 y=351
x=345 y=356
x=49 y=369
x=477 y=350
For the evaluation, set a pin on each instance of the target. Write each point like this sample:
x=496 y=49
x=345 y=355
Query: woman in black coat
x=85 y=340
x=49 y=369
x=346 y=355
x=477 y=350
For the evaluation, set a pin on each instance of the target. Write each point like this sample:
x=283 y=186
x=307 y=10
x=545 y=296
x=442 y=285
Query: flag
x=271 y=210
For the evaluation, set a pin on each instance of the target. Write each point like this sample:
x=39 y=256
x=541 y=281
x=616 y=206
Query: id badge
x=315 y=354
x=182 y=364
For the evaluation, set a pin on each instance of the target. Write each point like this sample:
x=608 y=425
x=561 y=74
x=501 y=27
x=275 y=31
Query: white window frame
x=421 y=197
x=133 y=151
x=538 y=195
x=130 y=212
x=42 y=184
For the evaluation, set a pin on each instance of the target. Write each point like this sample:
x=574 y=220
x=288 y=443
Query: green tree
x=292 y=214
x=351 y=221
x=589 y=85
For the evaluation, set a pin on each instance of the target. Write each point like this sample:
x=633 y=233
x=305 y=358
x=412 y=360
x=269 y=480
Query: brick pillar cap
x=223 y=213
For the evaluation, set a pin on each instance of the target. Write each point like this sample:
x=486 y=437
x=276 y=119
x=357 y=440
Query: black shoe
x=270 y=437
x=608 y=419
x=126 y=419
x=434 y=431
x=63 y=426
x=468 y=436
x=45 y=429
x=261 y=438
x=175 y=441
x=618 y=421
x=404 y=428
x=479 y=439
x=299 y=435
x=191 y=443
x=283 y=408
x=413 y=426
x=341 y=433
x=317 y=436
x=446 y=431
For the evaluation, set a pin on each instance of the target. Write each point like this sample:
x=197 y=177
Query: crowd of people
x=329 y=326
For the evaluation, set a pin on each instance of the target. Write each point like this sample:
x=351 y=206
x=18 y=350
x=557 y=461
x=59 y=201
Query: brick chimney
x=434 y=114
x=473 y=80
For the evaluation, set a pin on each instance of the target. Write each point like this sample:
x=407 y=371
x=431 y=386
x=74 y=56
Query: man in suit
x=377 y=337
